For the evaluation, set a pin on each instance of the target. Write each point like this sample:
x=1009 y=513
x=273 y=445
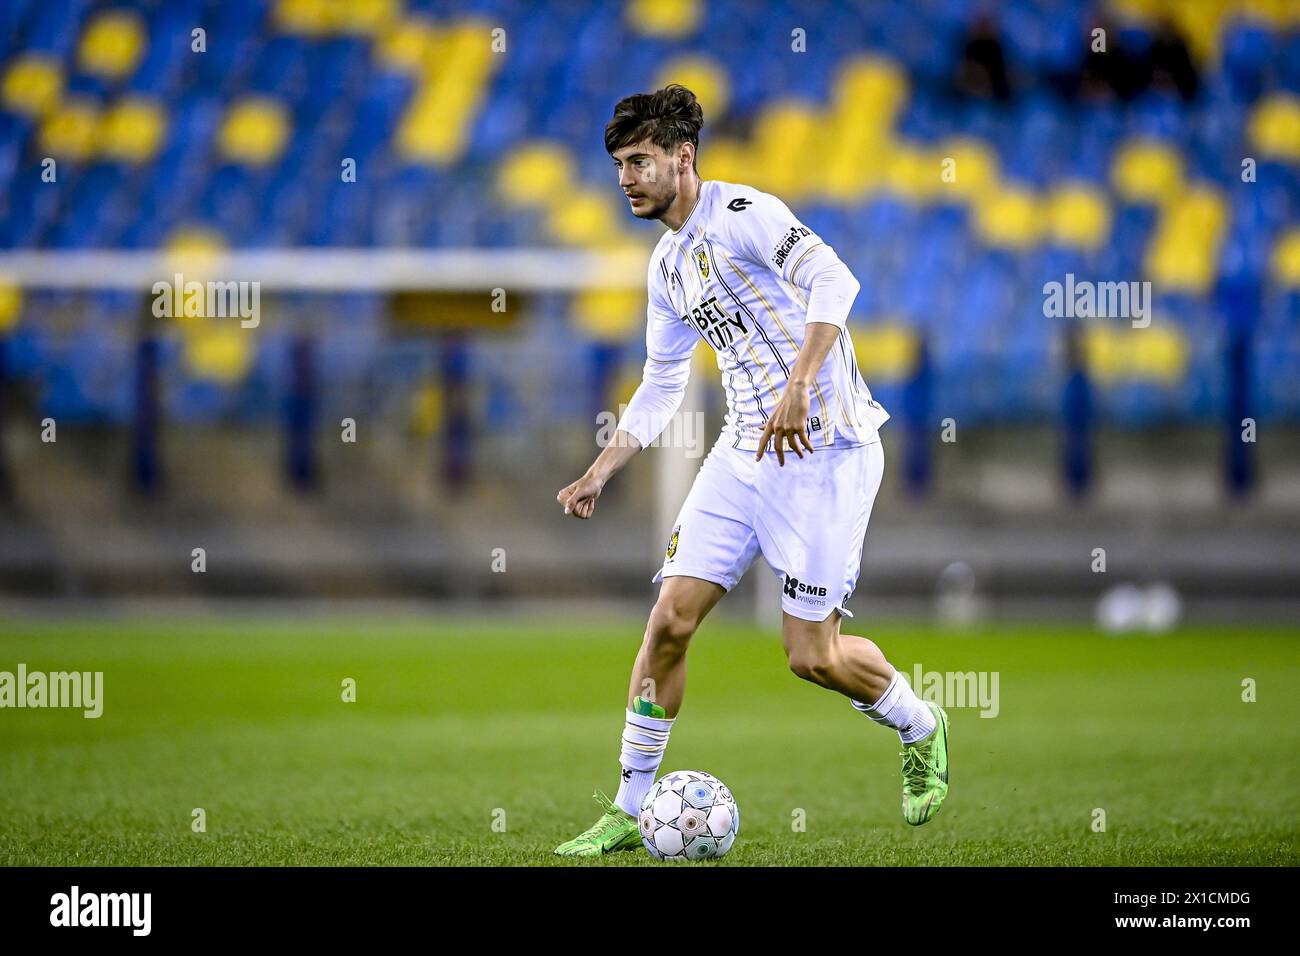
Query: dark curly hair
x=667 y=118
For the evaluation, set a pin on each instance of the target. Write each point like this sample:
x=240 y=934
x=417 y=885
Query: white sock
x=900 y=708
x=644 y=741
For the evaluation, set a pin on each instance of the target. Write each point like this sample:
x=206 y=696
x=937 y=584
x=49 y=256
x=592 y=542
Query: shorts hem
x=683 y=572
x=814 y=615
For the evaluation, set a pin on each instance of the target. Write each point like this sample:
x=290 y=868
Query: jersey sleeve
x=667 y=337
x=669 y=344
x=656 y=399
x=768 y=234
x=765 y=232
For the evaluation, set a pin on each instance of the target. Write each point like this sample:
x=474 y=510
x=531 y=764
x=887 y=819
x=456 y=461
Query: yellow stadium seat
x=870 y=89
x=219 y=351
x=703 y=77
x=975 y=168
x=844 y=181
x=424 y=133
x=70 y=131
x=886 y=351
x=1101 y=353
x=535 y=174
x=1183 y=253
x=426 y=410
x=609 y=315
x=1180 y=265
x=408 y=46
x=456 y=66
x=913 y=173
x=583 y=217
x=795 y=182
x=1200 y=22
x=663 y=18
x=1275 y=127
x=195 y=241
x=1147 y=172
x=765 y=172
x=190 y=253
x=1117 y=353
x=332 y=17
x=32 y=84
x=1202 y=211
x=255 y=131
x=789 y=122
x=822 y=139
x=1078 y=216
x=313 y=18
x=1276 y=14
x=1286 y=260
x=367 y=17
x=856 y=159
x=11 y=305
x=112 y=44
x=1008 y=218
x=433 y=130
x=441 y=47
x=132 y=130
x=470 y=42
x=723 y=159
x=788 y=129
x=1141 y=11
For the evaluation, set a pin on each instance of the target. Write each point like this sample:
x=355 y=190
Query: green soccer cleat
x=614 y=831
x=925 y=771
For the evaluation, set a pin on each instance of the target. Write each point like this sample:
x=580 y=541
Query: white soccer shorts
x=808 y=520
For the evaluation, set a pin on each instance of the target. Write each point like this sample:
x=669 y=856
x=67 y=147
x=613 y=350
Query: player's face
x=649 y=179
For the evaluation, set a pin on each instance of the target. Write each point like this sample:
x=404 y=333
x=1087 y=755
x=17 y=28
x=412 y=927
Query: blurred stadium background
x=388 y=171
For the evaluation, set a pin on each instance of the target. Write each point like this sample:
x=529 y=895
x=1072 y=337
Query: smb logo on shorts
x=672 y=544
x=796 y=588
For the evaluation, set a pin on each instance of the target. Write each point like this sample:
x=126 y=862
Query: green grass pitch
x=460 y=724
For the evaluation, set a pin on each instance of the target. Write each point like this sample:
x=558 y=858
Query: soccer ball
x=689 y=815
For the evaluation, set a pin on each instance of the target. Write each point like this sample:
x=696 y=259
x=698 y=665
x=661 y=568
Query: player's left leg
x=855 y=667
x=814 y=542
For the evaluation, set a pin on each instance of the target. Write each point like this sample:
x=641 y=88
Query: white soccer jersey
x=737 y=275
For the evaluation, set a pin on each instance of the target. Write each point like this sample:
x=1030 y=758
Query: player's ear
x=685 y=157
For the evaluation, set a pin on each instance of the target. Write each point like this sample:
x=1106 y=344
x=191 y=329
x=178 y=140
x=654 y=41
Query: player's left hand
x=788 y=423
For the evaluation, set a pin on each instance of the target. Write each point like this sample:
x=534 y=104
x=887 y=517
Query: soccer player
x=738 y=270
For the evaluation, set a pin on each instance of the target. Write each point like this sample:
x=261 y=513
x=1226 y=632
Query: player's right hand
x=579 y=498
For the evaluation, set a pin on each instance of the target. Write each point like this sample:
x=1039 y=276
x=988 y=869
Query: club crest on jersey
x=702 y=260
x=672 y=544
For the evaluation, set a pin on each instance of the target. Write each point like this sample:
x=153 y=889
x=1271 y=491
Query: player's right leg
x=658 y=683
x=711 y=547
x=659 y=674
